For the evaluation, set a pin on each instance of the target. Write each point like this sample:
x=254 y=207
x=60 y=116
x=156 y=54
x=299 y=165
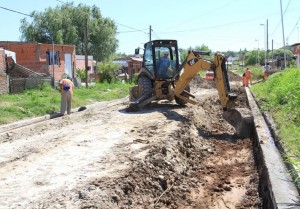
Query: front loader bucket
x=242 y=120
x=140 y=102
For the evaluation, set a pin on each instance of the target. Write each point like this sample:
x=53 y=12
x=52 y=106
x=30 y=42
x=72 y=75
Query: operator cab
x=161 y=58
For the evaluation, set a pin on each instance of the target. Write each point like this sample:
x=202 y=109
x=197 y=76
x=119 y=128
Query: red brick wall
x=81 y=65
x=296 y=51
x=33 y=56
x=134 y=66
x=3 y=75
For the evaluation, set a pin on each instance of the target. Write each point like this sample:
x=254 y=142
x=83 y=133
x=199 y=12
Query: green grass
x=44 y=100
x=280 y=95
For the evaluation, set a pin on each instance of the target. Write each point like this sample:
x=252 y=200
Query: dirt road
x=164 y=156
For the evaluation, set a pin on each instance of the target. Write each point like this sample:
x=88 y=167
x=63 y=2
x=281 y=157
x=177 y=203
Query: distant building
x=131 y=64
x=296 y=52
x=80 y=64
x=231 y=59
x=134 y=65
x=44 y=59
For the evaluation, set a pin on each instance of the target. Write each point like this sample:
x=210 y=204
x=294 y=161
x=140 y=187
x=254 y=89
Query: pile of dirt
x=200 y=82
x=201 y=165
x=234 y=77
x=185 y=171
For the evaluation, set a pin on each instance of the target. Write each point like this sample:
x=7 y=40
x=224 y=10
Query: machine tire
x=180 y=101
x=144 y=86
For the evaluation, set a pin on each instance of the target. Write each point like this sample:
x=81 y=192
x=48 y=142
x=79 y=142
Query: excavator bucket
x=242 y=120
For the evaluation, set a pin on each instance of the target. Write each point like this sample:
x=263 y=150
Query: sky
x=222 y=25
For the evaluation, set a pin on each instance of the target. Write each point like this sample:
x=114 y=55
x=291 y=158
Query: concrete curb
x=30 y=121
x=277 y=187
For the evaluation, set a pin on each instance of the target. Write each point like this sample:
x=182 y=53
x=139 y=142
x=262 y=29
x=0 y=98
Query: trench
x=265 y=187
x=276 y=185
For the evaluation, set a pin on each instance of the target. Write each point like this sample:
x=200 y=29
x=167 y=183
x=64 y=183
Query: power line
x=60 y=2
x=16 y=11
x=137 y=30
x=129 y=31
x=204 y=14
x=210 y=27
x=156 y=34
x=294 y=28
x=280 y=20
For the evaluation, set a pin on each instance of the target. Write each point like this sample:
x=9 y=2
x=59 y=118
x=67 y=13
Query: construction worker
x=164 y=63
x=67 y=88
x=244 y=79
x=266 y=70
x=248 y=75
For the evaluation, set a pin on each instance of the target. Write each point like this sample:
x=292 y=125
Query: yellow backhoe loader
x=163 y=77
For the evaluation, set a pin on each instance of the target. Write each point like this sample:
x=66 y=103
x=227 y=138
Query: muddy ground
x=164 y=156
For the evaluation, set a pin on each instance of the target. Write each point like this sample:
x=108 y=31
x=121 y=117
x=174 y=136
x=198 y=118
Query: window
x=149 y=58
x=51 y=58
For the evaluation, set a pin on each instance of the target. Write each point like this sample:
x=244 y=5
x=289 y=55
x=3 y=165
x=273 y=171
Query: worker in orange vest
x=248 y=75
x=266 y=69
x=244 y=79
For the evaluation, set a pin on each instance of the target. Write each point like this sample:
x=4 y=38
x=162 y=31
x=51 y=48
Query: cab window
x=149 y=58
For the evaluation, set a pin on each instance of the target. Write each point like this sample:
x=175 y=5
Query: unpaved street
x=164 y=156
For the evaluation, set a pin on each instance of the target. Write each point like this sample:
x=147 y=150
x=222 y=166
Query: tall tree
x=65 y=25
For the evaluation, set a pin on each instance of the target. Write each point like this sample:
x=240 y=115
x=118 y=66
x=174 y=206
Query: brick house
x=3 y=75
x=296 y=52
x=45 y=59
x=132 y=64
x=80 y=64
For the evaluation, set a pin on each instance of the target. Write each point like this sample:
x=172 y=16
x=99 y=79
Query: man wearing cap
x=163 y=65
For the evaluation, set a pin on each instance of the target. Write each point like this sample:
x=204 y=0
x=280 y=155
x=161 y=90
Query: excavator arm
x=240 y=118
x=193 y=64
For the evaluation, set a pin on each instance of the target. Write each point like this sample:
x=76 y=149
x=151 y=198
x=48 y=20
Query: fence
x=19 y=84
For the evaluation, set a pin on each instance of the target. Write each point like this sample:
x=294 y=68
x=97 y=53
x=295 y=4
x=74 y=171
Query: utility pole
x=257 y=51
x=265 y=43
x=85 y=52
x=150 y=30
x=283 y=34
x=53 y=62
x=272 y=50
x=267 y=40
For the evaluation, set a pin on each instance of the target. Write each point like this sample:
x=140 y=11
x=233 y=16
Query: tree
x=230 y=53
x=202 y=48
x=65 y=25
x=183 y=54
x=108 y=70
x=251 y=57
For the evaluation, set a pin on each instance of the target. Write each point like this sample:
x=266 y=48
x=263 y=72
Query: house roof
x=139 y=59
x=23 y=42
x=121 y=62
x=296 y=44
